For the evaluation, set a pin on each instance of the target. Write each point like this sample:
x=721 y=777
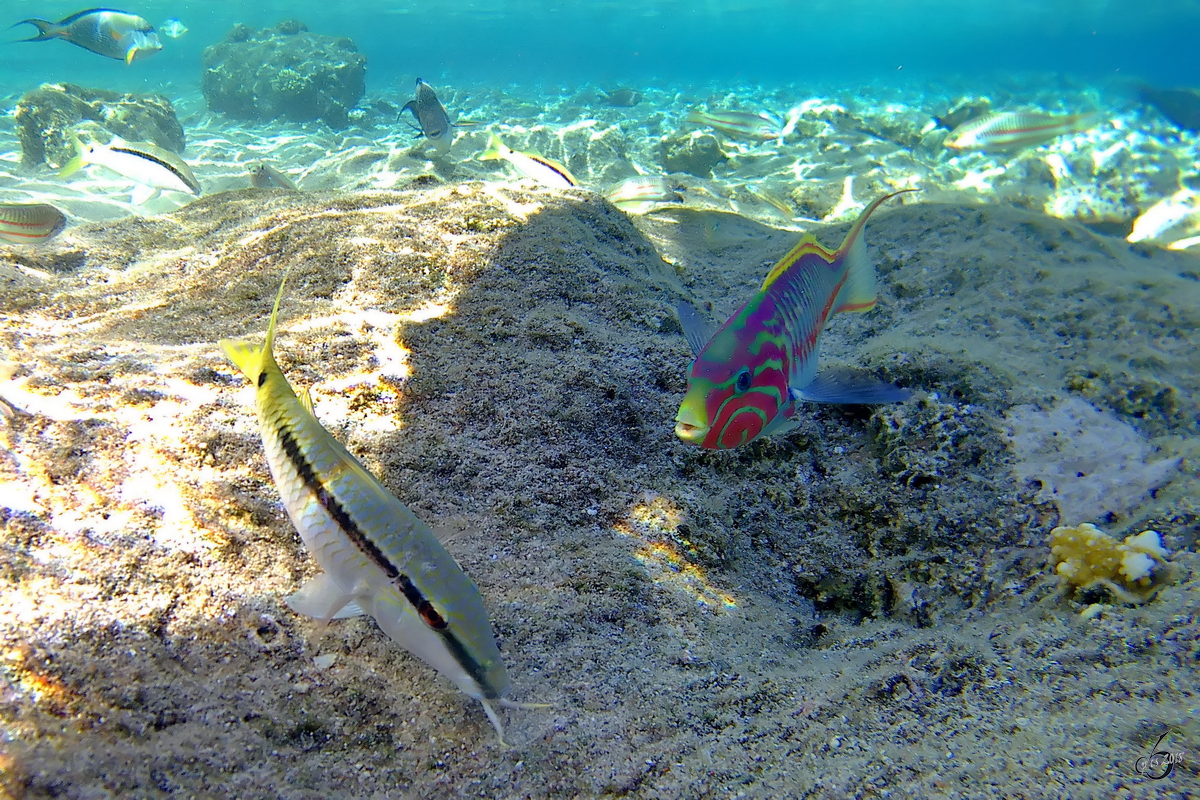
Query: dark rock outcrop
x=48 y=117
x=284 y=72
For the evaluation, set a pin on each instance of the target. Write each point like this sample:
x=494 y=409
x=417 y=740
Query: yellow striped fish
x=30 y=223
x=377 y=557
x=530 y=165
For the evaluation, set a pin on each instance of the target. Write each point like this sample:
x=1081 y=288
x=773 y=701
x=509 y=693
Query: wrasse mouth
x=693 y=434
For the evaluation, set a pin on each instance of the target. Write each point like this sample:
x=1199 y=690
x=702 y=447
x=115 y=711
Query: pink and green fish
x=759 y=127
x=749 y=377
x=1013 y=130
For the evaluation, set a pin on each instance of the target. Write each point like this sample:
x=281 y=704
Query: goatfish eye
x=431 y=617
x=743 y=381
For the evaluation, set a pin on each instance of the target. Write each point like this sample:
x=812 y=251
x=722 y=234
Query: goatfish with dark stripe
x=1013 y=130
x=103 y=31
x=30 y=223
x=378 y=557
x=152 y=168
x=758 y=127
x=749 y=377
x=530 y=165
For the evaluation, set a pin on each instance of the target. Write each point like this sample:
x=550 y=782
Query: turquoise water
x=773 y=42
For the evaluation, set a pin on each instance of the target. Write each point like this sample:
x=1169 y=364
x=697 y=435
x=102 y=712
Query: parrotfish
x=431 y=116
x=264 y=176
x=749 y=377
x=758 y=127
x=104 y=31
x=1012 y=130
x=378 y=557
x=149 y=166
x=30 y=223
x=530 y=165
x=173 y=28
x=641 y=193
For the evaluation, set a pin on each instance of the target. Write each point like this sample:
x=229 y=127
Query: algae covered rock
x=47 y=117
x=284 y=72
x=695 y=154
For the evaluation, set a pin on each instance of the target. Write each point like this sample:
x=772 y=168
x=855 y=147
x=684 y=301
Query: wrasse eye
x=743 y=381
x=431 y=617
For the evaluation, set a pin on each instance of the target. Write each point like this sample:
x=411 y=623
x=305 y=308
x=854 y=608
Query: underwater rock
x=696 y=154
x=284 y=72
x=48 y=116
x=1181 y=106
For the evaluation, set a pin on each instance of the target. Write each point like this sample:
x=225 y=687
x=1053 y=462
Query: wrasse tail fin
x=47 y=30
x=495 y=149
x=859 y=292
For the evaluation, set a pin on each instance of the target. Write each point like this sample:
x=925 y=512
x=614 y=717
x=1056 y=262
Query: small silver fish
x=173 y=28
x=103 y=31
x=1013 y=130
x=641 y=193
x=530 y=165
x=264 y=176
x=759 y=127
x=30 y=223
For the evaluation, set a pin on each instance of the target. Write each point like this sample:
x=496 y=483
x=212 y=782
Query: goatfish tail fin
x=46 y=29
x=76 y=163
x=859 y=292
x=495 y=149
x=250 y=359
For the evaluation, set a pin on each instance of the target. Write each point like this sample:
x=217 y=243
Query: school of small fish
x=748 y=378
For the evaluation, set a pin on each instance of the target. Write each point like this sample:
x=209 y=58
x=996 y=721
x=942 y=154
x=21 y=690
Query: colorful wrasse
x=530 y=165
x=641 y=193
x=30 y=223
x=749 y=376
x=758 y=127
x=104 y=31
x=378 y=558
x=1012 y=130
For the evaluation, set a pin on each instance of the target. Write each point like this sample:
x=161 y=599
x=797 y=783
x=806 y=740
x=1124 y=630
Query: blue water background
x=544 y=43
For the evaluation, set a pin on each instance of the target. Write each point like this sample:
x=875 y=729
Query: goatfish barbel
x=1013 y=130
x=530 y=165
x=748 y=378
x=378 y=558
x=151 y=167
x=30 y=223
x=103 y=31
x=759 y=127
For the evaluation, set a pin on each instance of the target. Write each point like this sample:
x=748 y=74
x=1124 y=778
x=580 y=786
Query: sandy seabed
x=859 y=608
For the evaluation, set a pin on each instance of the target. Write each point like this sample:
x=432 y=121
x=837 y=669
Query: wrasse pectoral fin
x=696 y=329
x=851 y=386
x=321 y=598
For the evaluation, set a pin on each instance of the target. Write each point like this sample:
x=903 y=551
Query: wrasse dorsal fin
x=808 y=244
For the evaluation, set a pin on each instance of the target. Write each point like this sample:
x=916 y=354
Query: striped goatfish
x=748 y=378
x=103 y=31
x=377 y=557
x=758 y=127
x=151 y=167
x=530 y=165
x=1013 y=130
x=30 y=223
